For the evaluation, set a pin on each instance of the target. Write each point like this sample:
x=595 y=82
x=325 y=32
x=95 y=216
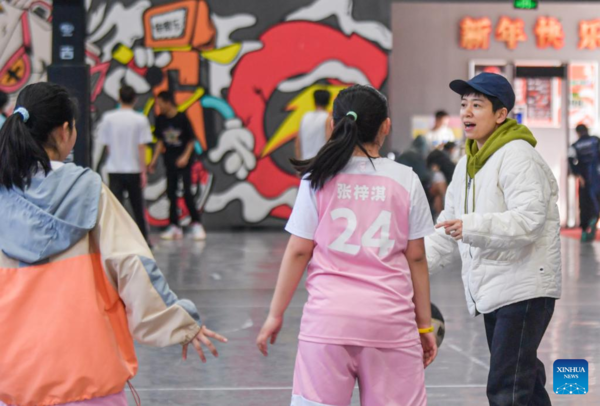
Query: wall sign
x=475 y=33
x=589 y=34
x=511 y=32
x=549 y=33
x=68 y=39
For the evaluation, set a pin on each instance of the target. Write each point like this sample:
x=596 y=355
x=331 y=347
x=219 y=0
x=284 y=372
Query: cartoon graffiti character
x=24 y=43
x=177 y=37
x=288 y=62
x=301 y=57
x=26 y=35
x=110 y=24
x=252 y=93
x=184 y=28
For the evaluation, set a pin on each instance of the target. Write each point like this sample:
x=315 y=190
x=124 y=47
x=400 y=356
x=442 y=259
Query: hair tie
x=353 y=114
x=23 y=112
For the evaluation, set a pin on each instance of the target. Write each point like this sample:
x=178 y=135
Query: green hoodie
x=509 y=131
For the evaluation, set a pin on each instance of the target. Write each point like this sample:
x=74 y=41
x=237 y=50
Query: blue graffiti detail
x=221 y=106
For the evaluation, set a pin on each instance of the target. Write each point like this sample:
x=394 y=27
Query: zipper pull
x=469 y=183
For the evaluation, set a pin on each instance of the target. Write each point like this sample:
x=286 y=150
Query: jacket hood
x=509 y=131
x=49 y=216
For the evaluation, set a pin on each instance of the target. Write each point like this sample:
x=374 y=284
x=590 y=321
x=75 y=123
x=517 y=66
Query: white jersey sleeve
x=420 y=221
x=305 y=217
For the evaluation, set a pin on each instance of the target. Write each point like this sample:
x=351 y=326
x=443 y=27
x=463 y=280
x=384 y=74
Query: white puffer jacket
x=510 y=250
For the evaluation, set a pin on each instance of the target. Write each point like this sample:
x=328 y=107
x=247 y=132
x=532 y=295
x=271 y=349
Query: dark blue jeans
x=514 y=332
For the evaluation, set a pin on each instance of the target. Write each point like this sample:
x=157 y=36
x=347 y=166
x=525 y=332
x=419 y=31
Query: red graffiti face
x=290 y=50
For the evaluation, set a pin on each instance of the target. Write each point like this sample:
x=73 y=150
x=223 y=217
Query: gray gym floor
x=231 y=279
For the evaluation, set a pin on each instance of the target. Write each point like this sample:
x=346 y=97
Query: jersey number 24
x=382 y=223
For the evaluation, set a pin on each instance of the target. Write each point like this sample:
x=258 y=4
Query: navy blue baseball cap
x=489 y=84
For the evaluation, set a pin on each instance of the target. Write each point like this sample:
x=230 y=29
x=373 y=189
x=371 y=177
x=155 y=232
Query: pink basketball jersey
x=359 y=283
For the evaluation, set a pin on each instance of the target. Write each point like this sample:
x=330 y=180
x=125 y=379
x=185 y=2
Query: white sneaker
x=198 y=232
x=172 y=233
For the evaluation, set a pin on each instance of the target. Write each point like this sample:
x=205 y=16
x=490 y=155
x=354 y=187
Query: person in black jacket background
x=584 y=162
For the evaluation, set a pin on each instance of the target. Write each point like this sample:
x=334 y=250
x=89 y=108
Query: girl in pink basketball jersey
x=358 y=223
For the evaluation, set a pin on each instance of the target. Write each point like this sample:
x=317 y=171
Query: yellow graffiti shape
x=223 y=56
x=299 y=106
x=148 y=106
x=186 y=48
x=193 y=99
x=123 y=54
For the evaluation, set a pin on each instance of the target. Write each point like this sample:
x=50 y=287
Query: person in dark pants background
x=176 y=142
x=584 y=161
x=125 y=134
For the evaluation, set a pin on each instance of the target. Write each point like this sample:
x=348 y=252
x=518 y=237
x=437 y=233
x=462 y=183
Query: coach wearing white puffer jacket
x=501 y=217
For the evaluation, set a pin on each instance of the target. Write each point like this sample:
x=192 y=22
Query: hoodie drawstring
x=468 y=180
x=473 y=194
x=136 y=396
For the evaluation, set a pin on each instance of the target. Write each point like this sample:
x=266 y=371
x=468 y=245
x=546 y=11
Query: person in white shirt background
x=440 y=133
x=125 y=133
x=313 y=127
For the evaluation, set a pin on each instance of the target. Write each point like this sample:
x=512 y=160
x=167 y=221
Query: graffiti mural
x=244 y=75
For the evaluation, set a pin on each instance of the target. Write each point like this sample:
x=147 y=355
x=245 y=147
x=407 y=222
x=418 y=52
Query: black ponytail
x=23 y=142
x=350 y=131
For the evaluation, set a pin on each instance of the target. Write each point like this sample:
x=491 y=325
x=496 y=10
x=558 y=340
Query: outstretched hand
x=202 y=338
x=453 y=228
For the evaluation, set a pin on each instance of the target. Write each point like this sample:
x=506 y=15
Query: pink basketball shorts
x=326 y=374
